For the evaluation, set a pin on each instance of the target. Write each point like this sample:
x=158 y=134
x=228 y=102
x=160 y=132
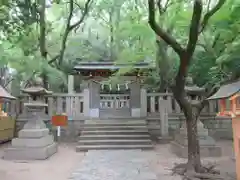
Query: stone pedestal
x=34 y=141
x=208 y=146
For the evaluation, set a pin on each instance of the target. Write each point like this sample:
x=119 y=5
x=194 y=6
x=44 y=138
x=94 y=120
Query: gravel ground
x=57 y=167
x=165 y=160
x=66 y=162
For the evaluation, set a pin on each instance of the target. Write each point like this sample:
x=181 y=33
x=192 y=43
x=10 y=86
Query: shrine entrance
x=115 y=102
x=112 y=95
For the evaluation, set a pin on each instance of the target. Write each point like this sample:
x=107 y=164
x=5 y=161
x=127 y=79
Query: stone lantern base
x=207 y=144
x=32 y=144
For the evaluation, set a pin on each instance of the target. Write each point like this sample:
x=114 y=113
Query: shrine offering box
x=7 y=127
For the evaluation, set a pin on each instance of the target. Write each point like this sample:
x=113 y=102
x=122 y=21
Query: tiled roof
x=226 y=91
x=110 y=65
x=5 y=94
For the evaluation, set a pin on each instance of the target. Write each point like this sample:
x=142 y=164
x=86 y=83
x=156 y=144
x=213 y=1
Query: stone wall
x=154 y=126
x=219 y=128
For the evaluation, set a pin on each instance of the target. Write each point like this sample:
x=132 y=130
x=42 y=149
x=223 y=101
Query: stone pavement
x=114 y=165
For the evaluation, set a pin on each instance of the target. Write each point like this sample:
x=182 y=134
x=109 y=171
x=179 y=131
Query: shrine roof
x=110 y=65
x=226 y=91
x=5 y=94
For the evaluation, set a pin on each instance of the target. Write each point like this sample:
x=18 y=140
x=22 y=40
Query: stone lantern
x=195 y=93
x=207 y=144
x=34 y=141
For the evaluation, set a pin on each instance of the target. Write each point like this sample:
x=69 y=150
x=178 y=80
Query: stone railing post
x=86 y=105
x=50 y=106
x=70 y=84
x=163 y=109
x=68 y=105
x=169 y=104
x=143 y=96
x=212 y=106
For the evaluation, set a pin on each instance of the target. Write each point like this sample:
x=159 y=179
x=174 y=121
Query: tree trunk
x=45 y=81
x=194 y=162
x=191 y=114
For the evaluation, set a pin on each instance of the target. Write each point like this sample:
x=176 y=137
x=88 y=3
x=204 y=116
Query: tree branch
x=194 y=27
x=84 y=14
x=160 y=8
x=70 y=27
x=160 y=32
x=53 y=59
x=167 y=4
x=217 y=37
x=42 y=24
x=78 y=5
x=8 y=82
x=210 y=13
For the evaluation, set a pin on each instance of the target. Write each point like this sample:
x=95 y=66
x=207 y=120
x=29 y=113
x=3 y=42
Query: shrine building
x=111 y=95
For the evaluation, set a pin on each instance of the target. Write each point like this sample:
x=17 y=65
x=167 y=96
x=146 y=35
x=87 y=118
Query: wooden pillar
x=236 y=139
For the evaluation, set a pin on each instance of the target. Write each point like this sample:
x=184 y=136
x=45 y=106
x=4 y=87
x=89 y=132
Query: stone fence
x=162 y=112
x=76 y=105
x=154 y=99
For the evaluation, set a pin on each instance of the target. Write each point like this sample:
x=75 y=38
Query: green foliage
x=221 y=56
x=19 y=48
x=125 y=22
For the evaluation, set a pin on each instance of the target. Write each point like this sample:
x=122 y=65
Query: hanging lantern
x=118 y=87
x=110 y=87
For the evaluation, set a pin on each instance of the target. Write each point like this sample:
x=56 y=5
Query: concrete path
x=114 y=165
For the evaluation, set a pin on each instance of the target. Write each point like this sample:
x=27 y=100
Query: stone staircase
x=114 y=134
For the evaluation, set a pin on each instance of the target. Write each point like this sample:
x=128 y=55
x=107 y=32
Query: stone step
x=30 y=153
x=123 y=127
x=115 y=122
x=130 y=124
x=113 y=147
x=115 y=132
x=115 y=142
x=130 y=120
x=114 y=136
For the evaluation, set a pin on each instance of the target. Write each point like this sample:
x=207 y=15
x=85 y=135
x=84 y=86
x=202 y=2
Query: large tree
x=185 y=51
x=38 y=36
